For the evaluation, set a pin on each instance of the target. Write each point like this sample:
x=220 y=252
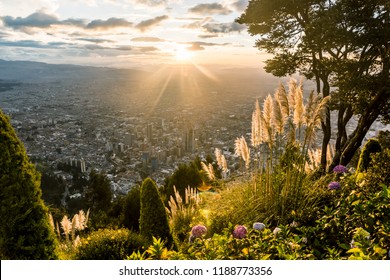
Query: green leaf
x=354 y=250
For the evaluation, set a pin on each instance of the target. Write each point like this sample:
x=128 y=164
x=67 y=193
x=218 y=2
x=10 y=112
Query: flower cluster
x=334 y=185
x=198 y=231
x=276 y=230
x=239 y=232
x=340 y=169
x=258 y=226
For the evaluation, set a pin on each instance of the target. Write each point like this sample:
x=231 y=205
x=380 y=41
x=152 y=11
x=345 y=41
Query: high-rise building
x=189 y=144
x=83 y=168
x=149 y=131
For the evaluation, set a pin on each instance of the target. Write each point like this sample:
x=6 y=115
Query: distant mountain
x=37 y=71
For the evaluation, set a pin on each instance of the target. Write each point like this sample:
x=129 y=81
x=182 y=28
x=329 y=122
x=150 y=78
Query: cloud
x=152 y=2
x=240 y=5
x=37 y=19
x=197 y=23
x=108 y=24
x=223 y=27
x=95 y=40
x=147 y=39
x=210 y=9
x=32 y=44
x=200 y=46
x=146 y=24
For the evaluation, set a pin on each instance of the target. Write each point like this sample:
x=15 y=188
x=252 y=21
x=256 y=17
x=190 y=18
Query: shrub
x=109 y=244
x=372 y=146
x=25 y=232
x=153 y=218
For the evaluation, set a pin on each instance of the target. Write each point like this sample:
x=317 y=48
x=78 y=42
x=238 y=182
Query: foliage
x=153 y=216
x=185 y=175
x=25 y=232
x=331 y=42
x=378 y=173
x=181 y=213
x=98 y=194
x=131 y=209
x=372 y=146
x=109 y=244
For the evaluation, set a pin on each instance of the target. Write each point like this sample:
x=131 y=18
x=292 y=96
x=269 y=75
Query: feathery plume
x=224 y=164
x=86 y=219
x=292 y=86
x=76 y=222
x=282 y=98
x=58 y=230
x=268 y=119
x=218 y=156
x=299 y=109
x=245 y=152
x=209 y=170
x=66 y=226
x=256 y=126
x=76 y=242
x=278 y=119
x=51 y=220
x=81 y=219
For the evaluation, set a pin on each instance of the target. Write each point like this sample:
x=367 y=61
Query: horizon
x=131 y=34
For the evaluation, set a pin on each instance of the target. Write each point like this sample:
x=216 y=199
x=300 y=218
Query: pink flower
x=198 y=231
x=239 y=232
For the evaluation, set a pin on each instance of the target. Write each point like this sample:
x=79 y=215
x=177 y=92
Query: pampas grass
x=209 y=169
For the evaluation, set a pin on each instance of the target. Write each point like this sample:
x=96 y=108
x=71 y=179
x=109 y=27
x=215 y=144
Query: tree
x=131 y=209
x=340 y=43
x=185 y=175
x=98 y=194
x=153 y=220
x=25 y=231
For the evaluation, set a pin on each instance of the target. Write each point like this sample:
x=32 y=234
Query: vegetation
x=283 y=205
x=25 y=232
x=330 y=42
x=109 y=244
x=153 y=220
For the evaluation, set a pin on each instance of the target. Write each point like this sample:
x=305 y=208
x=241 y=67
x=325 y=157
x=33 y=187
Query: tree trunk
x=326 y=126
x=365 y=121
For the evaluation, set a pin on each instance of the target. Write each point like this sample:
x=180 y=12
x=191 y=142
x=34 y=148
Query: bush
x=109 y=244
x=153 y=218
x=25 y=232
x=372 y=146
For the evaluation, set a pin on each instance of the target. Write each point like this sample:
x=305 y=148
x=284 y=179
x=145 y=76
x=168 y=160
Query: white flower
x=304 y=240
x=276 y=230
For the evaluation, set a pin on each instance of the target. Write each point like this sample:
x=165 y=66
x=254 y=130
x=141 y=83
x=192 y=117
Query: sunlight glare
x=182 y=54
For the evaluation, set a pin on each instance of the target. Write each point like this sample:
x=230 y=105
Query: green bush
x=25 y=232
x=372 y=146
x=153 y=217
x=109 y=244
x=379 y=171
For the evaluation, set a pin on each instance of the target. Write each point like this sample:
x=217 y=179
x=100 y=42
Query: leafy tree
x=341 y=43
x=98 y=194
x=185 y=175
x=25 y=232
x=153 y=219
x=131 y=209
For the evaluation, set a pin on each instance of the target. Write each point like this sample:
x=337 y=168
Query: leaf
x=354 y=250
x=344 y=246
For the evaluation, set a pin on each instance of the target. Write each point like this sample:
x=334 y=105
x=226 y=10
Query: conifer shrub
x=153 y=217
x=372 y=146
x=25 y=231
x=109 y=244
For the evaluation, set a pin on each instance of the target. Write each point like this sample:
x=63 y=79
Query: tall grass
x=283 y=138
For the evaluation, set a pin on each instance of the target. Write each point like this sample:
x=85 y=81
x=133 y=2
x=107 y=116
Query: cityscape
x=109 y=120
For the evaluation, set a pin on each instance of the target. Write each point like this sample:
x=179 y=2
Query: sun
x=182 y=54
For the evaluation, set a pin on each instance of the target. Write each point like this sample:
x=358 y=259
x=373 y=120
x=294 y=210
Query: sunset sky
x=127 y=33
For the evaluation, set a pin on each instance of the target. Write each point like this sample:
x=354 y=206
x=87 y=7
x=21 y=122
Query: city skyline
x=127 y=33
